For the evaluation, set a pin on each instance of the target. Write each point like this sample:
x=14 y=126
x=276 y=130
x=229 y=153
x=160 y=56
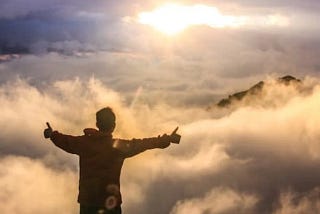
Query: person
x=101 y=158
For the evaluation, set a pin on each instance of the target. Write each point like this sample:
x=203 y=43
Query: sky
x=162 y=64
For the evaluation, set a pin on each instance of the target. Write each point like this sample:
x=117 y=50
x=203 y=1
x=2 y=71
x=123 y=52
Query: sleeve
x=133 y=147
x=68 y=143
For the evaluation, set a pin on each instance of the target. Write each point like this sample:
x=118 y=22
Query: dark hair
x=106 y=119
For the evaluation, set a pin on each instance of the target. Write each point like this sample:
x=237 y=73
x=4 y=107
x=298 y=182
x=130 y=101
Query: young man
x=101 y=160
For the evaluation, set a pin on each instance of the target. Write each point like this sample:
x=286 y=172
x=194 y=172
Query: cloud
x=122 y=72
x=28 y=186
x=17 y=8
x=8 y=57
x=249 y=157
x=45 y=24
x=77 y=26
x=196 y=74
x=254 y=150
x=294 y=203
x=217 y=201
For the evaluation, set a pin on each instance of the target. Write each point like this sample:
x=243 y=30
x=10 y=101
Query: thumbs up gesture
x=48 y=131
x=175 y=138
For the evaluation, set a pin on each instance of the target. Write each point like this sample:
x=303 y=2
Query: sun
x=172 y=18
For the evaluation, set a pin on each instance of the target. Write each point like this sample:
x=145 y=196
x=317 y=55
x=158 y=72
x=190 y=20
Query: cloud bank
x=28 y=186
x=254 y=159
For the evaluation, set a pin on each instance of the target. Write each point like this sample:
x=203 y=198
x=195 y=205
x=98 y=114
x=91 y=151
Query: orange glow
x=173 y=18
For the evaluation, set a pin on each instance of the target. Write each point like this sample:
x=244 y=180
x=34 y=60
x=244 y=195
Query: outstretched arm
x=67 y=143
x=136 y=146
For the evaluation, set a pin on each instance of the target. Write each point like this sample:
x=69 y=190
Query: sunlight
x=173 y=18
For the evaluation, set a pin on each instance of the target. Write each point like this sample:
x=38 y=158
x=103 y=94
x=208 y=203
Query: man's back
x=101 y=160
x=100 y=168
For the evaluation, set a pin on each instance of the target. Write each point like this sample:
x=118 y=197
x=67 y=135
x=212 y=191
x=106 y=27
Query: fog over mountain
x=258 y=91
x=255 y=159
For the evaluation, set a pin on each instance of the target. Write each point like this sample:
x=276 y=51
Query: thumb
x=175 y=131
x=48 y=124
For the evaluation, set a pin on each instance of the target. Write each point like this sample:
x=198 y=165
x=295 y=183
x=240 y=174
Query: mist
x=250 y=159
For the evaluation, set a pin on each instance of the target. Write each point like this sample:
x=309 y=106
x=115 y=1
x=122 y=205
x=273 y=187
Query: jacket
x=101 y=158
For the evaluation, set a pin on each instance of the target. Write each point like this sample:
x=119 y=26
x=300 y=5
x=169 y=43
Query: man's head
x=106 y=120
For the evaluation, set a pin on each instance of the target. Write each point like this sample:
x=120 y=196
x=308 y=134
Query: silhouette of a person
x=101 y=158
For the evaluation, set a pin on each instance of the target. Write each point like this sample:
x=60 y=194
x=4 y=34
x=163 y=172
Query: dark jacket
x=101 y=159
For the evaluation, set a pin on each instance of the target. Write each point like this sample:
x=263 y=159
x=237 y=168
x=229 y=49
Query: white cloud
x=253 y=151
x=217 y=201
x=28 y=186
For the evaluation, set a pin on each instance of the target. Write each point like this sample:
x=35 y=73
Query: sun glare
x=173 y=18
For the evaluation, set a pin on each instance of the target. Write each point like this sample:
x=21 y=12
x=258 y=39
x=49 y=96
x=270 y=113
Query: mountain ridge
x=255 y=90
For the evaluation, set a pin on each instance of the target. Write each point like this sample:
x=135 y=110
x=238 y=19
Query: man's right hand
x=164 y=141
x=174 y=137
x=48 y=131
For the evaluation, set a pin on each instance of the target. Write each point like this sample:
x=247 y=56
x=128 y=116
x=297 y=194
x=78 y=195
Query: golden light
x=173 y=18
